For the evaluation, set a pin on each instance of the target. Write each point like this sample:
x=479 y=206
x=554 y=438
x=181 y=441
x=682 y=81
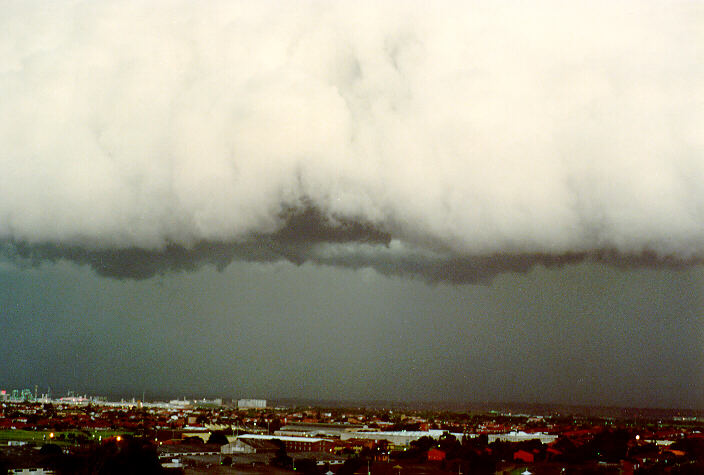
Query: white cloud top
x=466 y=128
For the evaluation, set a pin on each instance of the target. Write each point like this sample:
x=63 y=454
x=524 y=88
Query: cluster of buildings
x=249 y=431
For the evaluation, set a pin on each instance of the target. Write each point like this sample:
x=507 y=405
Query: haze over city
x=455 y=201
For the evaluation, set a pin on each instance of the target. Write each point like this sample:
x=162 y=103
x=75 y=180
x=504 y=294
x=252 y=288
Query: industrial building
x=251 y=443
x=251 y=403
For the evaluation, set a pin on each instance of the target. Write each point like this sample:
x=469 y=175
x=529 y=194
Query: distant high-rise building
x=251 y=403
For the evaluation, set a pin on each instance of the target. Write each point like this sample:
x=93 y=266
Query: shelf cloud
x=446 y=140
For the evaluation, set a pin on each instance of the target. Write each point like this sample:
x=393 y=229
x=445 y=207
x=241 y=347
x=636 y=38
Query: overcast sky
x=585 y=334
x=454 y=200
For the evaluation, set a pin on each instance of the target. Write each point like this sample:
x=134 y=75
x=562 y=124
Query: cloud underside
x=308 y=238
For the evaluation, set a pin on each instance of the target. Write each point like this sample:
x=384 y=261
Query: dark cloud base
x=139 y=264
x=298 y=241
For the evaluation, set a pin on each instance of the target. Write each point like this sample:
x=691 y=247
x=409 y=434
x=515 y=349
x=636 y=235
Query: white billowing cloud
x=464 y=128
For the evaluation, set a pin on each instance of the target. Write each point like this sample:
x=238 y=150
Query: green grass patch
x=70 y=437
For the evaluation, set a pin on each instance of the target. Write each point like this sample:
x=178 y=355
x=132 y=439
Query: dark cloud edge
x=297 y=242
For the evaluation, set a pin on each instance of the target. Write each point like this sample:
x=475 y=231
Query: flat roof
x=283 y=438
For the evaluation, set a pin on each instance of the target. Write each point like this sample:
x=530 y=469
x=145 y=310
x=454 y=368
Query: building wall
x=237 y=447
x=293 y=444
x=318 y=446
x=251 y=403
x=33 y=471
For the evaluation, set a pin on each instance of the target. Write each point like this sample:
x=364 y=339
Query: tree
x=195 y=440
x=217 y=437
x=610 y=446
x=350 y=466
x=132 y=456
x=307 y=466
x=281 y=459
x=50 y=449
x=448 y=443
x=423 y=444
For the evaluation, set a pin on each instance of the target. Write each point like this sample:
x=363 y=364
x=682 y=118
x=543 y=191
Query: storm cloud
x=453 y=140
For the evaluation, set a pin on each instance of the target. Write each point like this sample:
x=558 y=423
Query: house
x=523 y=456
x=436 y=455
